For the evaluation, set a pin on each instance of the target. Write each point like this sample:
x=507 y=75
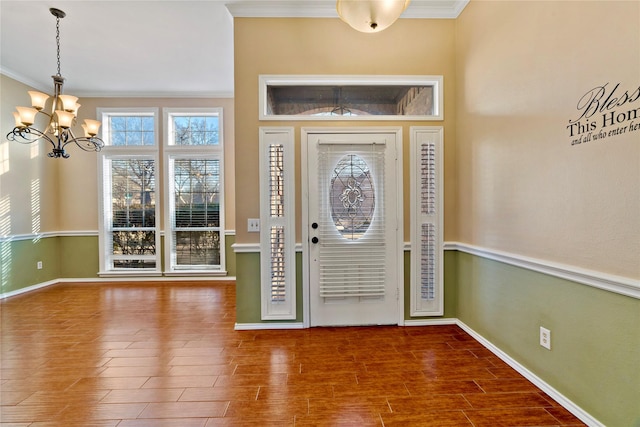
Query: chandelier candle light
x=62 y=116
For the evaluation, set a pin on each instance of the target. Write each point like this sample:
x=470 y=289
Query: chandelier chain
x=58 y=43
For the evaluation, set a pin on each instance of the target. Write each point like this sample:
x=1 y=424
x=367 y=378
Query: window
x=190 y=174
x=194 y=217
x=427 y=262
x=352 y=197
x=301 y=97
x=277 y=232
x=129 y=233
x=130 y=130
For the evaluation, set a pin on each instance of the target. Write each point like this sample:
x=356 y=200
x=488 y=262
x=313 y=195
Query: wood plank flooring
x=167 y=354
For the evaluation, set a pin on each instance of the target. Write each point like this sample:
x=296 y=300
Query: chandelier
x=370 y=16
x=61 y=114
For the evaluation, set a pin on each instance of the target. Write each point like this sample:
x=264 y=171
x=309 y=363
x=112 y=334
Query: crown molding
x=282 y=9
x=207 y=95
x=420 y=9
x=24 y=80
x=93 y=94
x=426 y=9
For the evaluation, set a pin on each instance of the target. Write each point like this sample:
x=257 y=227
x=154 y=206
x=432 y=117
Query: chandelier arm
x=28 y=135
x=89 y=143
x=86 y=143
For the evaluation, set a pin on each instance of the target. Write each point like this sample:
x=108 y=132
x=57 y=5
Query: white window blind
x=353 y=210
x=427 y=290
x=277 y=217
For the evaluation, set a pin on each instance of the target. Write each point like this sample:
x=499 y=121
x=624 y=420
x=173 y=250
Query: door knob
x=314 y=240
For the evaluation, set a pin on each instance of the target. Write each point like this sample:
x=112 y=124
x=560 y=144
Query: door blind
x=351 y=230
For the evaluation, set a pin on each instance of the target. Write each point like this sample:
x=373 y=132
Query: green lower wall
x=63 y=257
x=80 y=257
x=248 y=288
x=595 y=334
x=19 y=258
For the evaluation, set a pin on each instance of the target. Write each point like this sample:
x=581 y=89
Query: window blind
x=277 y=218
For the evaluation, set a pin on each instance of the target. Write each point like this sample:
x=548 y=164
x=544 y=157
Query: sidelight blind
x=426 y=222
x=277 y=218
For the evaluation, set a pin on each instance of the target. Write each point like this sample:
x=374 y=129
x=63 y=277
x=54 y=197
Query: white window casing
x=342 y=97
x=427 y=264
x=277 y=224
x=200 y=145
x=129 y=245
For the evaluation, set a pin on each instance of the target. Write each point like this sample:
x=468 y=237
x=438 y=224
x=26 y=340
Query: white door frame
x=399 y=241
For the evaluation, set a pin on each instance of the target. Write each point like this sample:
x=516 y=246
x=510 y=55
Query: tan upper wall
x=68 y=187
x=523 y=69
x=79 y=177
x=28 y=178
x=329 y=46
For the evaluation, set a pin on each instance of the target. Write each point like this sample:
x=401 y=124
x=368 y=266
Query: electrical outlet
x=253 y=225
x=545 y=338
x=39 y=265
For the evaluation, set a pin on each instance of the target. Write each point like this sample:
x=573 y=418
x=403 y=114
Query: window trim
x=105 y=255
x=277 y=310
x=265 y=80
x=204 y=152
x=418 y=305
x=110 y=152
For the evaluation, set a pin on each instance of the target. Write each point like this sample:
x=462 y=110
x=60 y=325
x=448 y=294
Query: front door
x=352 y=228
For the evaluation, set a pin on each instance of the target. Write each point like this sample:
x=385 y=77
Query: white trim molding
x=427 y=221
x=425 y=9
x=277 y=223
x=266 y=326
x=28 y=289
x=608 y=282
x=47 y=234
x=431 y=322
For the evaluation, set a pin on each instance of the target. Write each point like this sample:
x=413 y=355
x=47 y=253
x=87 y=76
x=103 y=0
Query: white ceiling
x=146 y=47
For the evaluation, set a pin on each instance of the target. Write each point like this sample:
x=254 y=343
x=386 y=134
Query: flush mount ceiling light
x=370 y=16
x=62 y=115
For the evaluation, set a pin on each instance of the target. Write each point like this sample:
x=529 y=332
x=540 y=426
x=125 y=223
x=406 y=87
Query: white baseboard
x=266 y=326
x=431 y=322
x=28 y=289
x=581 y=414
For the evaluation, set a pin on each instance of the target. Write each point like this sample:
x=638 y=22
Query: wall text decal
x=605 y=111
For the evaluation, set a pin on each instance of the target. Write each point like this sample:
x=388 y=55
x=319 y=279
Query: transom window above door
x=350 y=97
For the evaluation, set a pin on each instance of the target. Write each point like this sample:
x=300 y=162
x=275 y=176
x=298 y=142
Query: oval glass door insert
x=352 y=197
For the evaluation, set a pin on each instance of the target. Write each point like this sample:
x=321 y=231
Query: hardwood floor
x=155 y=354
